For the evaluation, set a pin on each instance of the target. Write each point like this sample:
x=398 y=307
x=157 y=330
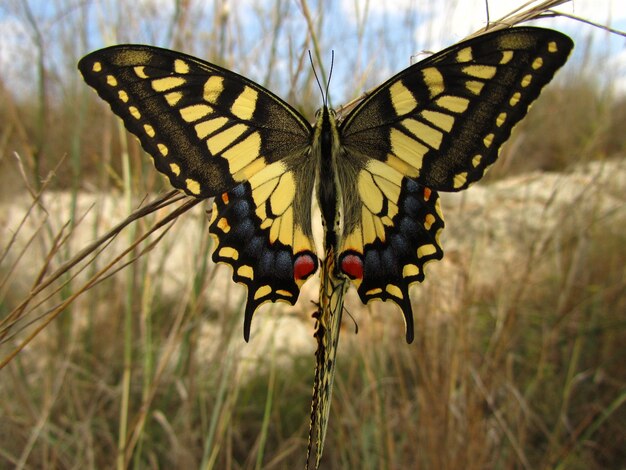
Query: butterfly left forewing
x=207 y=128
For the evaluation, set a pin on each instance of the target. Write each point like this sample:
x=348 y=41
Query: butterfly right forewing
x=442 y=121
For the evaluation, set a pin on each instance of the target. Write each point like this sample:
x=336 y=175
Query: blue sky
x=370 y=44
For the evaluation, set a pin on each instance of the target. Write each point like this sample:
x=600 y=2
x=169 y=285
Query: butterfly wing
x=216 y=133
x=255 y=230
x=435 y=126
x=393 y=234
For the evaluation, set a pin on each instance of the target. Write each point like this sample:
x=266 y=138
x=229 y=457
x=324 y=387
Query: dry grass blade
x=9 y=323
x=35 y=203
x=593 y=23
x=523 y=14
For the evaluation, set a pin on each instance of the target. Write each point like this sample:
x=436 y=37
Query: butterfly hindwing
x=436 y=126
x=387 y=250
x=258 y=231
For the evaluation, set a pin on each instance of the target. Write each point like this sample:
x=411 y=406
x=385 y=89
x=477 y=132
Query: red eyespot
x=427 y=193
x=304 y=265
x=352 y=265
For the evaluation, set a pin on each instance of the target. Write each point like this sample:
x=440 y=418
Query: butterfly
x=435 y=126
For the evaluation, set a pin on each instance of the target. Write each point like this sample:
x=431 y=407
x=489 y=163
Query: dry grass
x=117 y=351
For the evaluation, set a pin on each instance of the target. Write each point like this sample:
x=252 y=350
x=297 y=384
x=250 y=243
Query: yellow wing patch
x=378 y=190
x=274 y=191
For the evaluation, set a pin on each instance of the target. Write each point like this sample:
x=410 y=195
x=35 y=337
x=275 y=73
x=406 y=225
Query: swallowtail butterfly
x=435 y=126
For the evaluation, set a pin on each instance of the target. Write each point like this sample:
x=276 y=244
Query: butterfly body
x=435 y=126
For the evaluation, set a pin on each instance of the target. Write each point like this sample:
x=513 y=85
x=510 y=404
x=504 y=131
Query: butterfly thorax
x=325 y=147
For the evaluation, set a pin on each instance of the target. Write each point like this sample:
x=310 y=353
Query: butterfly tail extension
x=333 y=287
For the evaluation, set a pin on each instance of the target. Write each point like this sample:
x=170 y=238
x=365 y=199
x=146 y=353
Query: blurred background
x=133 y=356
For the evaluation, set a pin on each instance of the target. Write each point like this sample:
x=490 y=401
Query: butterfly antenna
x=317 y=79
x=330 y=74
